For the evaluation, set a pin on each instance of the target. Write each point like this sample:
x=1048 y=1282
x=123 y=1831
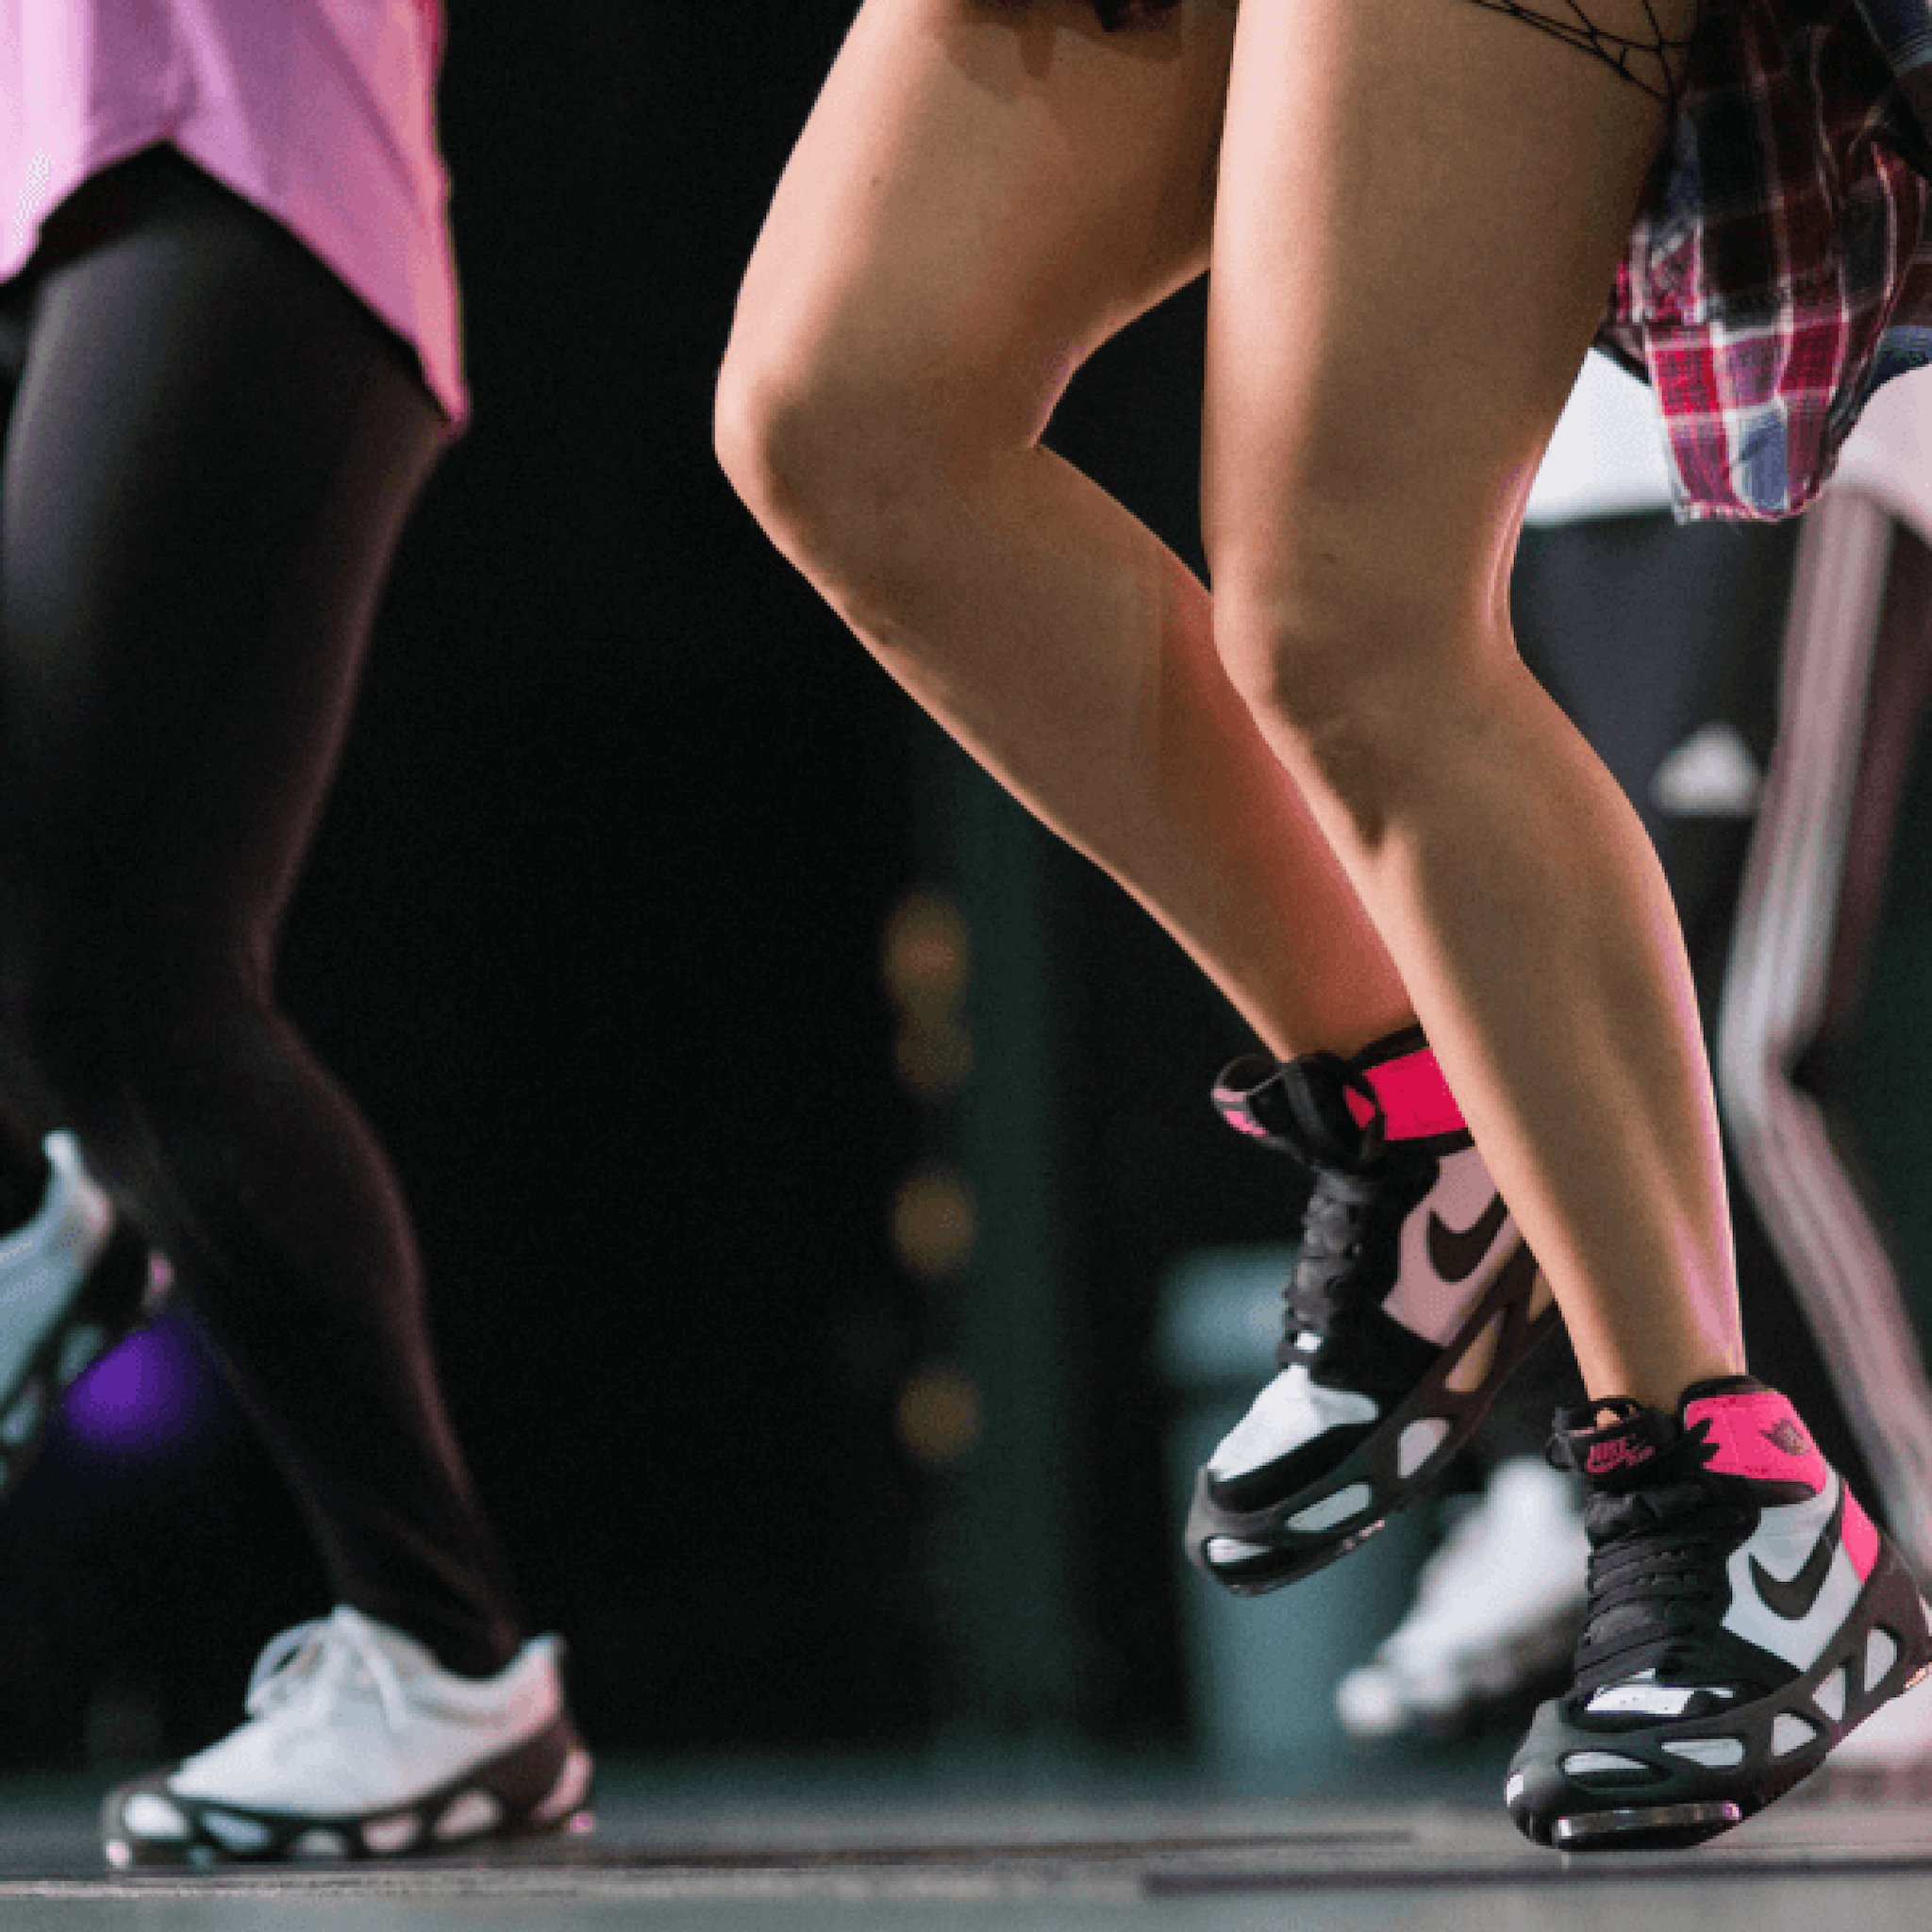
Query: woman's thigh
x=1422 y=207
x=985 y=191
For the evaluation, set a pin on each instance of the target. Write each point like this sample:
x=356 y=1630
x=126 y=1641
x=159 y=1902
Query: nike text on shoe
x=1745 y=1614
x=1413 y=1299
x=358 y=1745
x=74 y=1280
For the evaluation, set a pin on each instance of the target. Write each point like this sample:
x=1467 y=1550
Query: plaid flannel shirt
x=1781 y=268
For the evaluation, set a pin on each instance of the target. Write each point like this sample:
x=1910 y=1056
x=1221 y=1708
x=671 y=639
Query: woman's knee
x=851 y=467
x=1348 y=657
x=805 y=450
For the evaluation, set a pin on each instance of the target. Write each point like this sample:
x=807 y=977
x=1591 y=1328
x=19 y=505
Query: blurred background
x=837 y=1265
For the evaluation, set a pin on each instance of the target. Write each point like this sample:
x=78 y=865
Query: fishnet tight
x=1615 y=50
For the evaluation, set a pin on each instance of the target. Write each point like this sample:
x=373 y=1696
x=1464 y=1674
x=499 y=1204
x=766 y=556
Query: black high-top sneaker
x=1743 y=1616
x=1413 y=1299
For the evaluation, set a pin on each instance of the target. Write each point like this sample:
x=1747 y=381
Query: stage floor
x=721 y=1858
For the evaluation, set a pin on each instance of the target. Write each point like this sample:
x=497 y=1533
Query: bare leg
x=983 y=195
x=1421 y=207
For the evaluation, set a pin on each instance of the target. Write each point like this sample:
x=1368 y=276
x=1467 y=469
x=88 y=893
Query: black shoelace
x=1332 y=1225
x=1658 y=1587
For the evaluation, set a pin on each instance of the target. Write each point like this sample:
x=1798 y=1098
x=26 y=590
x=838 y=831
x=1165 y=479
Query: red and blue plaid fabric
x=1781 y=268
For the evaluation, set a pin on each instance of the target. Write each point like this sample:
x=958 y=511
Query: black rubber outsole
x=1677 y=1802
x=525 y=1784
x=1376 y=1463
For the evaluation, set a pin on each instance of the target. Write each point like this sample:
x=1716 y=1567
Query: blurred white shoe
x=1495 y=1616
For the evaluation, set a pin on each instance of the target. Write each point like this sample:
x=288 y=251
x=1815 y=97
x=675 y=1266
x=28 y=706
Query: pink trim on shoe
x=1758 y=1434
x=1232 y=1108
x=1416 y=1100
x=1860 y=1538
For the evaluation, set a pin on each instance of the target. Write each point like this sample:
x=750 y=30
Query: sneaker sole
x=536 y=1790
x=1669 y=1800
x=1391 y=1467
x=125 y=1288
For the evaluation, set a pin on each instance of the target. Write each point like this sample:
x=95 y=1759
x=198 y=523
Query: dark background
x=594 y=931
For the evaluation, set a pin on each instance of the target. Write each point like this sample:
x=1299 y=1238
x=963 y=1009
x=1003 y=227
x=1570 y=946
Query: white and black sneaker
x=1497 y=1612
x=360 y=1745
x=74 y=1280
x=1413 y=1299
x=1744 y=1615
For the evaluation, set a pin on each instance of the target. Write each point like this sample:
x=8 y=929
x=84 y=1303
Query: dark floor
x=724 y=1846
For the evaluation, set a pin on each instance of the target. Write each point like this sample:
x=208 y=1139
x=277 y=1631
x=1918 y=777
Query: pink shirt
x=320 y=112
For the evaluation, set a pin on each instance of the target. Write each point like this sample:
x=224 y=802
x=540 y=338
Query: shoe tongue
x=1301 y=1107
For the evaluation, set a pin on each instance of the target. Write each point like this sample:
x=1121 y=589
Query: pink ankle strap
x=1416 y=1100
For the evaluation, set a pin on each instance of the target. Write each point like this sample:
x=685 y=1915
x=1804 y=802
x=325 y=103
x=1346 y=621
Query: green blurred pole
x=1005 y=1535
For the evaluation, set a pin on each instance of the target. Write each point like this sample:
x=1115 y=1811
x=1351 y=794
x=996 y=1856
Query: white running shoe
x=360 y=1745
x=1495 y=1615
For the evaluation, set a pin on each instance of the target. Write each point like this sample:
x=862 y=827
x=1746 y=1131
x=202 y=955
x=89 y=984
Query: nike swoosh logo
x=1792 y=1601
x=1457 y=1253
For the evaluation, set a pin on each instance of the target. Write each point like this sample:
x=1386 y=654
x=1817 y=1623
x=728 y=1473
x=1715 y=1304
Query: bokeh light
x=940 y=1414
x=927 y=963
x=935 y=1223
x=927 y=952
x=152 y=1391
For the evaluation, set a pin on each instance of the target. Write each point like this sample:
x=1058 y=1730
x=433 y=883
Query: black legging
x=210 y=449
